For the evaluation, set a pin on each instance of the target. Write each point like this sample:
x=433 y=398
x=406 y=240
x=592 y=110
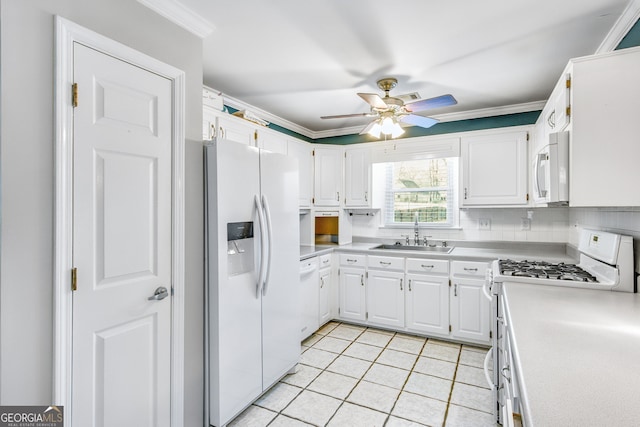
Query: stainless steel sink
x=437 y=249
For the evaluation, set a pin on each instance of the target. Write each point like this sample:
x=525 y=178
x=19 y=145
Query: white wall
x=27 y=182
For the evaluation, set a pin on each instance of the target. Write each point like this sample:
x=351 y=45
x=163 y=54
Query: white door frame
x=67 y=33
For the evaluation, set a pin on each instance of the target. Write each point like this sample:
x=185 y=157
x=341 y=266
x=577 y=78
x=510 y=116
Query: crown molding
x=620 y=29
x=265 y=115
x=181 y=15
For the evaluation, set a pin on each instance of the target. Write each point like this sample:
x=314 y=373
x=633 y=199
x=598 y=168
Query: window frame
x=387 y=194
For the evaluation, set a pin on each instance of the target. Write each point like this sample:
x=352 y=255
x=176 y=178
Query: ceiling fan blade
x=374 y=100
x=427 y=104
x=343 y=116
x=424 y=122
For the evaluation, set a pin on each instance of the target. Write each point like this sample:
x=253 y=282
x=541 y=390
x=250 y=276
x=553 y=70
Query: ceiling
x=300 y=60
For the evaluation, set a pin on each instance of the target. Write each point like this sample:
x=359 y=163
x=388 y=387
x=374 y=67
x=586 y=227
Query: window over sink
x=426 y=188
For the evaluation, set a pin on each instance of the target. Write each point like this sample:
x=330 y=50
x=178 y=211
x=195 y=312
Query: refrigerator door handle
x=263 y=249
x=267 y=215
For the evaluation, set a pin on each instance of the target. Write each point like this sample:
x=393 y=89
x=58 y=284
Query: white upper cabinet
x=327 y=176
x=235 y=129
x=272 y=140
x=604 y=152
x=494 y=169
x=304 y=153
x=357 y=178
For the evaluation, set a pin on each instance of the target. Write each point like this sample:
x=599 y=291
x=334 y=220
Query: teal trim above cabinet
x=632 y=39
x=506 y=120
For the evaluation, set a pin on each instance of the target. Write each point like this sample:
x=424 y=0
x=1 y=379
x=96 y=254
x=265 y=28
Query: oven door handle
x=487 y=374
x=486 y=286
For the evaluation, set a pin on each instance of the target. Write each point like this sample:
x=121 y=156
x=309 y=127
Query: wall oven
x=606 y=263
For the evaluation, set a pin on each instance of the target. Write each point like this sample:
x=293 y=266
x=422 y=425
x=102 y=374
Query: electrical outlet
x=484 y=224
x=525 y=224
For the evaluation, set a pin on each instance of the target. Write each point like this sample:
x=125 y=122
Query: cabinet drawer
x=428 y=266
x=385 y=263
x=325 y=261
x=469 y=268
x=353 y=260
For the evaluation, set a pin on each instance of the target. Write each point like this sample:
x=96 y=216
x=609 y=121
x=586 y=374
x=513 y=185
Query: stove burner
x=544 y=270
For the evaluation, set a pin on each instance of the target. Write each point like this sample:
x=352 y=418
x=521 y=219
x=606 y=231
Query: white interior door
x=121 y=243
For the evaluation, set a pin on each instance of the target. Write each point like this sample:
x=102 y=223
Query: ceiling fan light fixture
x=388 y=125
x=375 y=130
x=397 y=130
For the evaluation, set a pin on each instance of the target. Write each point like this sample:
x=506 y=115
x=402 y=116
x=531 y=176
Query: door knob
x=160 y=294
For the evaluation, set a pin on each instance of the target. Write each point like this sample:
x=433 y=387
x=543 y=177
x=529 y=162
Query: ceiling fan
x=390 y=110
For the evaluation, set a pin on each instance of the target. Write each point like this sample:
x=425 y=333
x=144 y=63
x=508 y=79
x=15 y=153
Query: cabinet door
x=385 y=298
x=327 y=176
x=325 y=296
x=273 y=141
x=427 y=304
x=357 y=178
x=208 y=123
x=236 y=129
x=303 y=152
x=352 y=294
x=494 y=169
x=469 y=310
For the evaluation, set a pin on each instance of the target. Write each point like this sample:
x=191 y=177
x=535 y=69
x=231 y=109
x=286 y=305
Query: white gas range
x=606 y=263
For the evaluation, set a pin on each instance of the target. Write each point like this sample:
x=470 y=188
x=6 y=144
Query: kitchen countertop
x=472 y=253
x=577 y=354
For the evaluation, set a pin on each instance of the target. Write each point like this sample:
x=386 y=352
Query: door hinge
x=527 y=197
x=338 y=311
x=449 y=282
x=313 y=152
x=568 y=111
x=568 y=83
x=366 y=316
x=255 y=135
x=313 y=200
x=449 y=328
x=490 y=334
x=74 y=279
x=527 y=136
x=366 y=274
x=74 y=95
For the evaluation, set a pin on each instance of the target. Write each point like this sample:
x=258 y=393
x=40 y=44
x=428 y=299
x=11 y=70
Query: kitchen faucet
x=416 y=232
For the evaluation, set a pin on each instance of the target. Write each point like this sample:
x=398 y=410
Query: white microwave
x=551 y=170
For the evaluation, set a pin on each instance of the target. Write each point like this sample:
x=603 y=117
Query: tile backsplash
x=546 y=225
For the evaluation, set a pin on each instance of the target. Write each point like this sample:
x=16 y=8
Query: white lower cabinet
x=351 y=287
x=324 y=313
x=469 y=306
x=433 y=297
x=385 y=298
x=427 y=296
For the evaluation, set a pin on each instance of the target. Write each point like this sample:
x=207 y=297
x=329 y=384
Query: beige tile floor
x=351 y=376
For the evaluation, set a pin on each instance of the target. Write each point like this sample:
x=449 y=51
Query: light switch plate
x=484 y=224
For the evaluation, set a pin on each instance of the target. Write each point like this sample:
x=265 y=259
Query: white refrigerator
x=252 y=260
